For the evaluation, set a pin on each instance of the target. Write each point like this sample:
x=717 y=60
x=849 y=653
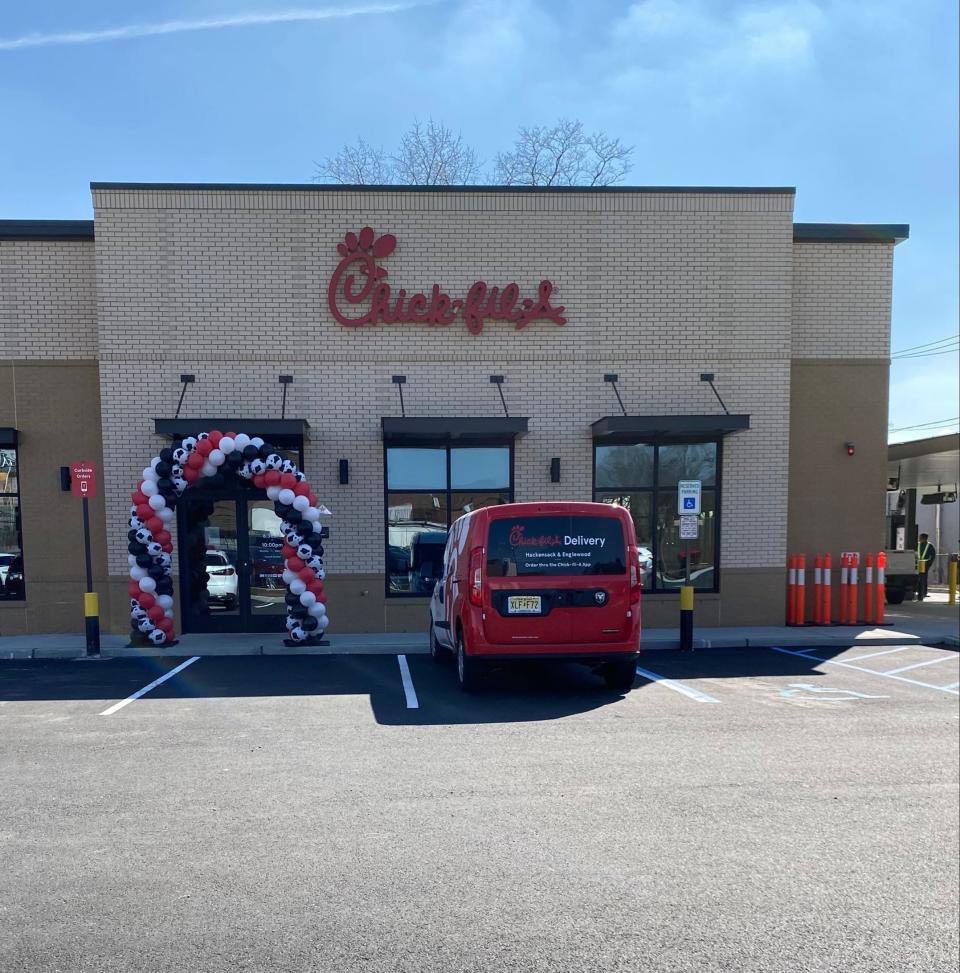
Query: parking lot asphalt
x=749 y=810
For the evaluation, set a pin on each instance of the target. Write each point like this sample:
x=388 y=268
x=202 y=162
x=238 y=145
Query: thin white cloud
x=252 y=19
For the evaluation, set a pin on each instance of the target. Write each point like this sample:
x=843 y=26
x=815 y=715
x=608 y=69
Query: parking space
x=746 y=809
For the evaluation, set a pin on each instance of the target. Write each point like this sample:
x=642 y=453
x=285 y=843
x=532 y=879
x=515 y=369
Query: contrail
x=210 y=23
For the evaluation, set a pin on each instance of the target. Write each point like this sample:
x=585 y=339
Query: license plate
x=523 y=605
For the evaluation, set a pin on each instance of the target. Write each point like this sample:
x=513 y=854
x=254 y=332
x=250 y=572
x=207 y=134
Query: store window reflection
x=427 y=489
x=12 y=585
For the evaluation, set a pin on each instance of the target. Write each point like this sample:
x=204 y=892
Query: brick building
x=232 y=285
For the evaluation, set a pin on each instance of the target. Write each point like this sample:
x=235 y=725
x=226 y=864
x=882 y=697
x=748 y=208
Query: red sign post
x=83 y=484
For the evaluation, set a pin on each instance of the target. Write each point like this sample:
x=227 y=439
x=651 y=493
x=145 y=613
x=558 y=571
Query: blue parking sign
x=688 y=497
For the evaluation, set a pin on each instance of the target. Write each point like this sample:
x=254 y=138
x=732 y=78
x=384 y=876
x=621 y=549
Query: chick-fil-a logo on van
x=359 y=294
x=519 y=539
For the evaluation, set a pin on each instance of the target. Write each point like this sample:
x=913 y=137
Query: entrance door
x=231 y=562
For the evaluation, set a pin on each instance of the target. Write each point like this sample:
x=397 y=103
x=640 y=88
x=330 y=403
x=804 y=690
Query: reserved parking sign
x=688 y=497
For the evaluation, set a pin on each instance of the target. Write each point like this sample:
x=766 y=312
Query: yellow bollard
x=952 y=580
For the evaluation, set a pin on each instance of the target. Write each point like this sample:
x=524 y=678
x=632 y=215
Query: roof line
x=338 y=187
x=850 y=232
x=46 y=229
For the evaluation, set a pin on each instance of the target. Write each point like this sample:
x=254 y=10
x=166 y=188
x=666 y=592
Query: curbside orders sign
x=83 y=480
x=688 y=497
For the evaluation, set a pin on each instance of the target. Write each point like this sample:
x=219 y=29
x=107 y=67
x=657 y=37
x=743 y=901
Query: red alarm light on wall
x=850 y=448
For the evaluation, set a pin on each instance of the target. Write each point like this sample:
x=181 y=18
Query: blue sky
x=854 y=103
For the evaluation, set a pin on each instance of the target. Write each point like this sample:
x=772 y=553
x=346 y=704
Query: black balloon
x=165 y=485
x=297 y=610
x=144 y=561
x=234 y=460
x=265 y=451
x=166 y=454
x=163 y=468
x=309 y=624
x=250 y=452
x=291 y=599
x=293 y=516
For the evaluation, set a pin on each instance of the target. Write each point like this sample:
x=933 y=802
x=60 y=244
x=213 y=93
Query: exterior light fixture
x=344 y=472
x=555 y=470
x=850 y=448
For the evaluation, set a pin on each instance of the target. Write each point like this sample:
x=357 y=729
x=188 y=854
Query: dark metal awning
x=8 y=436
x=624 y=428
x=446 y=430
x=278 y=432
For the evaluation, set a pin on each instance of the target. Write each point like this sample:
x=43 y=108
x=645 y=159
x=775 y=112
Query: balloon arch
x=207 y=459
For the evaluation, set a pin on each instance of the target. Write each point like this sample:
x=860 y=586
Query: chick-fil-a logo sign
x=359 y=294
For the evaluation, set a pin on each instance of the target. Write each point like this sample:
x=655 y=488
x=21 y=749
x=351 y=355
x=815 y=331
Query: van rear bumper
x=589 y=655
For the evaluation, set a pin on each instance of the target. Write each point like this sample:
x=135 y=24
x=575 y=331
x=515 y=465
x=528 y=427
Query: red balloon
x=190 y=475
x=259 y=481
x=316 y=587
x=194 y=461
x=322 y=598
x=168 y=547
x=166 y=626
x=147 y=601
x=288 y=552
x=301 y=489
x=153 y=525
x=144 y=511
x=230 y=435
x=138 y=498
x=295 y=564
x=307 y=574
x=272 y=477
x=155 y=613
x=134 y=589
x=162 y=536
x=312 y=499
x=215 y=437
x=204 y=447
x=288 y=481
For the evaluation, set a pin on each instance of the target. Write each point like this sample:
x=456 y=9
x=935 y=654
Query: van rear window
x=526 y=547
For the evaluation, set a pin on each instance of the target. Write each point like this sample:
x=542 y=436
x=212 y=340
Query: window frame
x=655 y=490
x=18 y=525
x=447 y=492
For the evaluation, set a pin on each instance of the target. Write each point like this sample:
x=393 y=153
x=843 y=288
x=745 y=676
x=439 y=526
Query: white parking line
x=146 y=689
x=918 y=665
x=871 y=655
x=408 y=689
x=677 y=687
x=873 y=672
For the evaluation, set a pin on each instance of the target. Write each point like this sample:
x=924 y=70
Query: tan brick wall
x=658 y=287
x=841 y=300
x=47 y=299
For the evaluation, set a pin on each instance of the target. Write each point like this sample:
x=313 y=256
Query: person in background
x=926 y=553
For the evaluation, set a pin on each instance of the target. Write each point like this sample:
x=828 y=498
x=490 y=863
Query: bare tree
x=562 y=155
x=357 y=165
x=431 y=155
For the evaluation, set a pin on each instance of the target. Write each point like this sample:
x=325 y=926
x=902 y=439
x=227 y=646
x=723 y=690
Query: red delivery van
x=540 y=581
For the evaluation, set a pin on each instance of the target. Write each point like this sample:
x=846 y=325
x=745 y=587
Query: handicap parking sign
x=688 y=497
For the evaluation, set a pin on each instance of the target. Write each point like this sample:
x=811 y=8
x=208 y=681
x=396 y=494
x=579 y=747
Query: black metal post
x=686 y=604
x=91 y=603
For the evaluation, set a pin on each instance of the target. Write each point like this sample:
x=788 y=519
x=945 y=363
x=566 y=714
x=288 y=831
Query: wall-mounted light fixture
x=187 y=380
x=498 y=381
x=850 y=448
x=555 y=470
x=613 y=378
x=708 y=378
x=344 y=472
x=400 y=381
x=285 y=380
x=65 y=479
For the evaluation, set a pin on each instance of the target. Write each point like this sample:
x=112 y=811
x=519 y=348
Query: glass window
x=526 y=547
x=421 y=503
x=624 y=466
x=12 y=585
x=663 y=557
x=480 y=469
x=416 y=536
x=640 y=506
x=692 y=461
x=416 y=469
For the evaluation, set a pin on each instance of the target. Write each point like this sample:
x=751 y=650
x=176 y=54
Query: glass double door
x=231 y=562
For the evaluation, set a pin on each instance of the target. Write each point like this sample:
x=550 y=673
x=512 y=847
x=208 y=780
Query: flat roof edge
x=46 y=230
x=850 y=232
x=342 y=187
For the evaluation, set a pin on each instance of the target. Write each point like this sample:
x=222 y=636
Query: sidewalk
x=906 y=625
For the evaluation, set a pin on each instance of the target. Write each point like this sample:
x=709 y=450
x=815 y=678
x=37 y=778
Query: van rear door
x=556 y=579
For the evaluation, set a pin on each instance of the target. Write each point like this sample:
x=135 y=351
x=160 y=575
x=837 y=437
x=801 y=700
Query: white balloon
x=165 y=602
x=227 y=444
x=208 y=469
x=242 y=441
x=318 y=609
x=297 y=587
x=148 y=585
x=156 y=501
x=324 y=623
x=154 y=461
x=216 y=457
x=166 y=515
x=256 y=441
x=132 y=560
x=311 y=514
x=137 y=572
x=289 y=576
x=300 y=503
x=149 y=488
x=151 y=474
x=286 y=497
x=307 y=599
x=273 y=492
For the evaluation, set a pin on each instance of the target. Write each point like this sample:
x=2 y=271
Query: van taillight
x=476 y=576
x=636 y=581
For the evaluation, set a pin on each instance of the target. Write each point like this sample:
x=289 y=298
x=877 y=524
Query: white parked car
x=223 y=582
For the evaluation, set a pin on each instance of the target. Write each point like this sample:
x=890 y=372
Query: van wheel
x=895 y=597
x=468 y=670
x=620 y=676
x=437 y=652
